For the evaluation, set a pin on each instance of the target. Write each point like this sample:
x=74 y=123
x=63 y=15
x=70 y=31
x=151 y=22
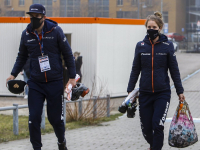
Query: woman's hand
x=181 y=97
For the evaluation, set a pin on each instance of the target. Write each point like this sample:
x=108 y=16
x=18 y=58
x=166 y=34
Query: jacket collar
x=162 y=38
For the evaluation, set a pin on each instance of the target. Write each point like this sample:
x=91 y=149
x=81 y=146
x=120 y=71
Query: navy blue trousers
x=53 y=93
x=153 y=111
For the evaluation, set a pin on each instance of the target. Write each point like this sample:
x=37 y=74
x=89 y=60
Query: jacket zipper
x=152 y=66
x=152 y=63
x=40 y=49
x=42 y=55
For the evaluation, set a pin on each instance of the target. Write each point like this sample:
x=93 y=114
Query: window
x=106 y=2
x=21 y=2
x=119 y=14
x=7 y=2
x=36 y=1
x=15 y=13
x=165 y=16
x=43 y=2
x=119 y=2
x=49 y=11
x=49 y=3
x=134 y=2
x=126 y=14
x=197 y=2
x=70 y=8
x=148 y=2
x=98 y=8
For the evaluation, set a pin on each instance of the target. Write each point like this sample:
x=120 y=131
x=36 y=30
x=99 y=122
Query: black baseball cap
x=37 y=8
x=16 y=86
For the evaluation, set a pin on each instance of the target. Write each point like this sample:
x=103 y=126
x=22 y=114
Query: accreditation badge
x=44 y=63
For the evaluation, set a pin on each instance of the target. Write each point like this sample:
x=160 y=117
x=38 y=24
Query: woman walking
x=153 y=57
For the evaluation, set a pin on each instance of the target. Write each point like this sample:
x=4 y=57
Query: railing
x=16 y=107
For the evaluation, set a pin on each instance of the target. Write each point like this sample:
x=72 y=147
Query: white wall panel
x=115 y=53
x=9 y=43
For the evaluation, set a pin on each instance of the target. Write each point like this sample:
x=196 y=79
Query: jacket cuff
x=72 y=76
x=180 y=92
x=13 y=74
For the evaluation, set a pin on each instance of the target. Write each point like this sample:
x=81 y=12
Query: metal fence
x=16 y=107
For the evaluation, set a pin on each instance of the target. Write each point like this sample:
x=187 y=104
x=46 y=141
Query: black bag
x=16 y=86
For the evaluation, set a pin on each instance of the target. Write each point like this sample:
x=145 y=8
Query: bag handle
x=190 y=116
x=180 y=107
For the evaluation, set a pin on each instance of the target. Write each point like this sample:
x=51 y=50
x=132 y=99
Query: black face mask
x=152 y=33
x=35 y=22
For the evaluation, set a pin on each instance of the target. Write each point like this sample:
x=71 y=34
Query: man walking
x=44 y=41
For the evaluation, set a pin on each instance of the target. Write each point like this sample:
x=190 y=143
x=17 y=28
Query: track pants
x=153 y=111
x=53 y=93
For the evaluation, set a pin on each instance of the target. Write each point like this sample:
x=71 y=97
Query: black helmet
x=16 y=86
x=79 y=90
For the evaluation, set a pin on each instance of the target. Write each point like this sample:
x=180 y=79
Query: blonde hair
x=157 y=17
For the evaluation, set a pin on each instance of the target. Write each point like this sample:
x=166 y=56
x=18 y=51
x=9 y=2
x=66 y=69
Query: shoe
x=62 y=146
x=26 y=97
x=79 y=90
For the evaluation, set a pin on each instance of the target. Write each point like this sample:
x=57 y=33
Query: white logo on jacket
x=165 y=43
x=142 y=44
x=31 y=40
x=161 y=53
x=145 y=53
x=65 y=39
x=174 y=54
x=48 y=38
x=27 y=33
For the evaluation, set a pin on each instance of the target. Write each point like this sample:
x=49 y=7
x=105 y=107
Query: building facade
x=193 y=24
x=174 y=11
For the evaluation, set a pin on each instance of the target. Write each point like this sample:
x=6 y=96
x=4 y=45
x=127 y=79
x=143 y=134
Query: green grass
x=6 y=126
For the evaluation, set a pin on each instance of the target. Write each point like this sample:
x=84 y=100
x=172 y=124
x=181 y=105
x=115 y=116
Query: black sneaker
x=62 y=146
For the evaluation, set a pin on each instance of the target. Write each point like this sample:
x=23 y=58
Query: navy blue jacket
x=153 y=61
x=55 y=44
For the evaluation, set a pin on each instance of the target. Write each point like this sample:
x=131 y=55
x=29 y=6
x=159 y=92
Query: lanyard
x=40 y=41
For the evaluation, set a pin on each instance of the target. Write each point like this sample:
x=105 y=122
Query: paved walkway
x=121 y=134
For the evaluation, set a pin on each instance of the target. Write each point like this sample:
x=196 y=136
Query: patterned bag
x=182 y=132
